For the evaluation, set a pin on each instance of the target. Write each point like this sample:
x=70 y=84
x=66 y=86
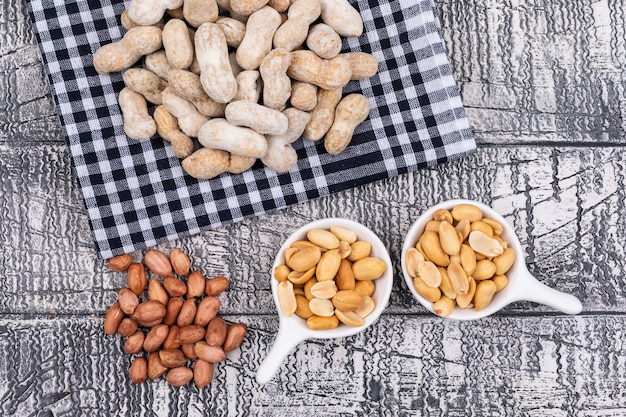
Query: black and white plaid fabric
x=136 y=192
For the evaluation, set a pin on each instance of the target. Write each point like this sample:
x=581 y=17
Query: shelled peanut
x=193 y=52
x=175 y=322
x=460 y=259
x=329 y=278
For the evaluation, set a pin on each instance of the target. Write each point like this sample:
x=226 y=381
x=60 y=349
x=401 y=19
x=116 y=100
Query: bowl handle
x=286 y=340
x=538 y=292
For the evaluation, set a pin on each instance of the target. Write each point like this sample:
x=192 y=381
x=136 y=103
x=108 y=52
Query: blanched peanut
x=483 y=244
x=118 y=56
x=466 y=211
x=234 y=30
x=177 y=44
x=328 y=74
x=249 y=86
x=322 y=323
x=257 y=41
x=167 y=128
x=197 y=12
x=260 y=118
x=157 y=63
x=505 y=261
x=432 y=248
x=323 y=114
x=351 y=111
x=246 y=7
x=324 y=41
x=303 y=96
x=341 y=16
x=189 y=119
x=276 y=83
x=219 y=134
x=146 y=83
x=208 y=163
x=483 y=294
x=137 y=122
x=188 y=86
x=216 y=74
x=148 y=12
x=444 y=306
x=281 y=156
x=294 y=31
x=363 y=65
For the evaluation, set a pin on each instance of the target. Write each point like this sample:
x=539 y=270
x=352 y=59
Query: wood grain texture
x=400 y=366
x=566 y=205
x=27 y=112
x=540 y=71
x=544 y=86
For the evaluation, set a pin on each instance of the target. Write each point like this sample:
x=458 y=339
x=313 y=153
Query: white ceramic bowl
x=522 y=285
x=293 y=330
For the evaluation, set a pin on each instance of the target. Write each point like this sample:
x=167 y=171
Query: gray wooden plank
x=398 y=367
x=565 y=204
x=27 y=111
x=537 y=71
x=531 y=72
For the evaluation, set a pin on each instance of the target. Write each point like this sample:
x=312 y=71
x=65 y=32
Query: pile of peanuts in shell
x=328 y=279
x=176 y=325
x=460 y=260
x=247 y=78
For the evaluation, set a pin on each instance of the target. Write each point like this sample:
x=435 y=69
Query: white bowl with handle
x=522 y=286
x=293 y=330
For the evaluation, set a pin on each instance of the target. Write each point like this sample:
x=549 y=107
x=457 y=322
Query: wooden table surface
x=544 y=84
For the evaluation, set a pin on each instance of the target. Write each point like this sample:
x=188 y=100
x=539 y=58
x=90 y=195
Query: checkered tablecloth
x=136 y=192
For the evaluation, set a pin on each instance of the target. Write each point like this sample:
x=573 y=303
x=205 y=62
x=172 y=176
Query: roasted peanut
x=249 y=86
x=276 y=83
x=303 y=96
x=189 y=119
x=444 y=306
x=187 y=85
x=137 y=122
x=220 y=134
x=323 y=114
x=280 y=155
x=350 y=112
x=177 y=44
x=146 y=83
x=257 y=117
x=325 y=42
x=157 y=63
x=197 y=12
x=483 y=294
x=234 y=30
x=149 y=12
x=246 y=7
x=118 y=56
x=216 y=73
x=257 y=41
x=342 y=17
x=363 y=66
x=328 y=74
x=167 y=128
x=322 y=323
x=286 y=298
x=294 y=31
x=302 y=307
